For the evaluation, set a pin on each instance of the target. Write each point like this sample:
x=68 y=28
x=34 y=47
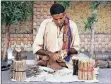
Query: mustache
x=61 y=25
x=64 y=23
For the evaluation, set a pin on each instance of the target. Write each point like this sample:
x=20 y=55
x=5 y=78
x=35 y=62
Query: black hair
x=57 y=9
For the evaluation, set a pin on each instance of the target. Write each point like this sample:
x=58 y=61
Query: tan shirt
x=50 y=37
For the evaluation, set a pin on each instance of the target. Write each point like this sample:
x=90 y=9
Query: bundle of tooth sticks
x=86 y=69
x=19 y=68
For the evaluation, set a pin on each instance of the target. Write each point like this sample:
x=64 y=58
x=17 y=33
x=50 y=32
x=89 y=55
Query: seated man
x=57 y=40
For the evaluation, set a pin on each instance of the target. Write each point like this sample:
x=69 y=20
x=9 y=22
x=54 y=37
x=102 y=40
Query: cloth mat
x=63 y=75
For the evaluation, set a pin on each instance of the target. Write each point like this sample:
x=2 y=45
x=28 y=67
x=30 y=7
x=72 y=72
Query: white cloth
x=63 y=75
x=49 y=37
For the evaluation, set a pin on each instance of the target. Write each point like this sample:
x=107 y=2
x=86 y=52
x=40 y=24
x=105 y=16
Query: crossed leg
x=51 y=63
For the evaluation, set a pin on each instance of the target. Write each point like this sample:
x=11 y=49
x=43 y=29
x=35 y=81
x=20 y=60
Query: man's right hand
x=55 y=56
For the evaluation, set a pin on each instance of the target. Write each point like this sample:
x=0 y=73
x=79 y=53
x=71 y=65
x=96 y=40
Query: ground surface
x=104 y=76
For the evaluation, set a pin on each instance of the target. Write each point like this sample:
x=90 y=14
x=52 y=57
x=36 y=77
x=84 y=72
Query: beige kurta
x=50 y=38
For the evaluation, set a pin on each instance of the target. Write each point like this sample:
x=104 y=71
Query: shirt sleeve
x=75 y=36
x=38 y=41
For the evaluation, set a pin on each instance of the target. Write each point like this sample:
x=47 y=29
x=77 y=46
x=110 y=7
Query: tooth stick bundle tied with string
x=19 y=68
x=86 y=69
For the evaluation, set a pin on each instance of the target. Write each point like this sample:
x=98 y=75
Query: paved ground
x=104 y=76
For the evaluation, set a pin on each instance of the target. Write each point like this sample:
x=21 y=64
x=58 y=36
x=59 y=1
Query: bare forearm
x=44 y=52
x=72 y=51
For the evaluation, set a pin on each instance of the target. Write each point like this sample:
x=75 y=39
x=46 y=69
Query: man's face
x=59 y=19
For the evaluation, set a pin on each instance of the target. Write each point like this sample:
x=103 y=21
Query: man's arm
x=44 y=52
x=75 y=44
x=38 y=42
x=72 y=51
x=54 y=56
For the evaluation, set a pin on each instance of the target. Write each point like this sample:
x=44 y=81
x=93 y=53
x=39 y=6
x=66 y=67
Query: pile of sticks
x=19 y=68
x=86 y=69
x=32 y=70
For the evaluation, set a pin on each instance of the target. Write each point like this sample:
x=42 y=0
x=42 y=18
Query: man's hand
x=55 y=56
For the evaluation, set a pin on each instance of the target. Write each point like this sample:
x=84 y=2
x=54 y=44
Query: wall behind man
x=24 y=34
x=78 y=12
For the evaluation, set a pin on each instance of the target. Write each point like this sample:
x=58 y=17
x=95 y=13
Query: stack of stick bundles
x=19 y=67
x=86 y=69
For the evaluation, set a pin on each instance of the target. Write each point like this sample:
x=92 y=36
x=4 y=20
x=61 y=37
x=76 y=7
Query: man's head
x=58 y=14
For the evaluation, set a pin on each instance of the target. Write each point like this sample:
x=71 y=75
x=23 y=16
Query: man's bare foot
x=62 y=64
x=42 y=63
x=54 y=66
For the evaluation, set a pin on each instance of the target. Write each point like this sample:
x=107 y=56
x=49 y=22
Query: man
x=57 y=40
